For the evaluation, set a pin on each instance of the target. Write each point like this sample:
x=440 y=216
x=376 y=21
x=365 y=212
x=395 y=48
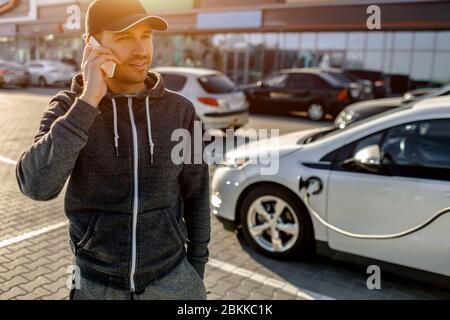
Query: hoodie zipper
x=136 y=195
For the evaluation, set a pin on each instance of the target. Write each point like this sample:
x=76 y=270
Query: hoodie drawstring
x=149 y=125
x=116 y=132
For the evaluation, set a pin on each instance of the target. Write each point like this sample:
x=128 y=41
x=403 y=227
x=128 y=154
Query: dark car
x=360 y=89
x=315 y=91
x=399 y=84
x=362 y=110
x=380 y=82
x=13 y=74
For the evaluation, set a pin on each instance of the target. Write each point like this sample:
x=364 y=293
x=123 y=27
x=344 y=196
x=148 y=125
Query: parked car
x=13 y=74
x=315 y=91
x=217 y=100
x=399 y=83
x=50 y=73
x=407 y=182
x=362 y=110
x=380 y=82
x=363 y=89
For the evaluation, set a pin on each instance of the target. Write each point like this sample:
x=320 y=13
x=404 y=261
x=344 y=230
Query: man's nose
x=139 y=48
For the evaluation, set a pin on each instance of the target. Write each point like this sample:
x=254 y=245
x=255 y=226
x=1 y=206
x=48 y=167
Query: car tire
x=316 y=111
x=42 y=82
x=293 y=214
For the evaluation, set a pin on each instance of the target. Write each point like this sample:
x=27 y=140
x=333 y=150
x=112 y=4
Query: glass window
x=422 y=65
x=441 y=67
x=217 y=84
x=398 y=145
x=356 y=40
x=374 y=139
x=424 y=40
x=276 y=80
x=309 y=40
x=256 y=39
x=403 y=40
x=174 y=82
x=389 y=40
x=375 y=40
x=374 y=60
x=271 y=40
x=354 y=60
x=305 y=81
x=402 y=62
x=291 y=41
x=332 y=40
x=443 y=40
x=425 y=144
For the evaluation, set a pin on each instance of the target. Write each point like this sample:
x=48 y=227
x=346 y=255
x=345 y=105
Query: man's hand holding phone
x=94 y=76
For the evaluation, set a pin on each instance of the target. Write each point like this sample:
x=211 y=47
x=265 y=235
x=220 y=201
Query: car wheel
x=275 y=224
x=42 y=82
x=316 y=111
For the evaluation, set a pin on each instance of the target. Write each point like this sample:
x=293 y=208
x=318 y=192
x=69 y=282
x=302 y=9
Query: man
x=139 y=223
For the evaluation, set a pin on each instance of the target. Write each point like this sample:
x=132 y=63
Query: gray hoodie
x=133 y=213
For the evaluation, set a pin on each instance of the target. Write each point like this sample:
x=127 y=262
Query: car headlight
x=345 y=118
x=235 y=163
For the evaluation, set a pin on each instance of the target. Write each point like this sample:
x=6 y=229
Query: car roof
x=437 y=103
x=187 y=70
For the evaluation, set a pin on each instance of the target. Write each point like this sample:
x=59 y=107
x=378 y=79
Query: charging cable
x=314 y=186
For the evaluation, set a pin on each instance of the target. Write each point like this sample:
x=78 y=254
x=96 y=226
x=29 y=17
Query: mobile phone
x=109 y=67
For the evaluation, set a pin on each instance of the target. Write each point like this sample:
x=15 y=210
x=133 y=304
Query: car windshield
x=336 y=130
x=341 y=77
x=217 y=84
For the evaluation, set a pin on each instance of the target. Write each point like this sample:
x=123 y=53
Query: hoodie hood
x=155 y=90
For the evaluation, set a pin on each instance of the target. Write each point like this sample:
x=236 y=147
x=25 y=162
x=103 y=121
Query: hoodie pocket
x=160 y=239
x=107 y=241
x=178 y=225
x=89 y=231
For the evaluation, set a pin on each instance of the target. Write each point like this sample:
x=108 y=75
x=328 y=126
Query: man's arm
x=194 y=181
x=45 y=167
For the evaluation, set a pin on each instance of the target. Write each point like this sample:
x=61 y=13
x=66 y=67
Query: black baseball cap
x=119 y=15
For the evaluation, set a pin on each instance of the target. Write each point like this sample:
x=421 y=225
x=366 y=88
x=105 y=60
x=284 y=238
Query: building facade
x=250 y=39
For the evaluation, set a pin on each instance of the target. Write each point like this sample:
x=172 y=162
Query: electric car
x=382 y=175
x=217 y=100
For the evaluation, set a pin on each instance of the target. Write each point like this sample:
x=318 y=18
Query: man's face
x=134 y=48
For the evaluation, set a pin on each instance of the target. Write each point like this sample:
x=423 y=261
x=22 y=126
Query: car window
x=217 y=84
x=305 y=81
x=340 y=77
x=276 y=81
x=425 y=144
x=371 y=140
x=174 y=82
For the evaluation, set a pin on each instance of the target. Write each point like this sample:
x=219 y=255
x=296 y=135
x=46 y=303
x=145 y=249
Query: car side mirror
x=368 y=158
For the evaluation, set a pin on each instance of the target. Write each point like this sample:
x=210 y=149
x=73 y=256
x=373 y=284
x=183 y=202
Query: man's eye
x=147 y=36
x=123 y=38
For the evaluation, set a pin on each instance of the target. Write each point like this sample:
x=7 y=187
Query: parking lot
x=35 y=254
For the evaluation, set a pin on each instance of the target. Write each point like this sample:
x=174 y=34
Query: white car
x=217 y=101
x=405 y=186
x=50 y=73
